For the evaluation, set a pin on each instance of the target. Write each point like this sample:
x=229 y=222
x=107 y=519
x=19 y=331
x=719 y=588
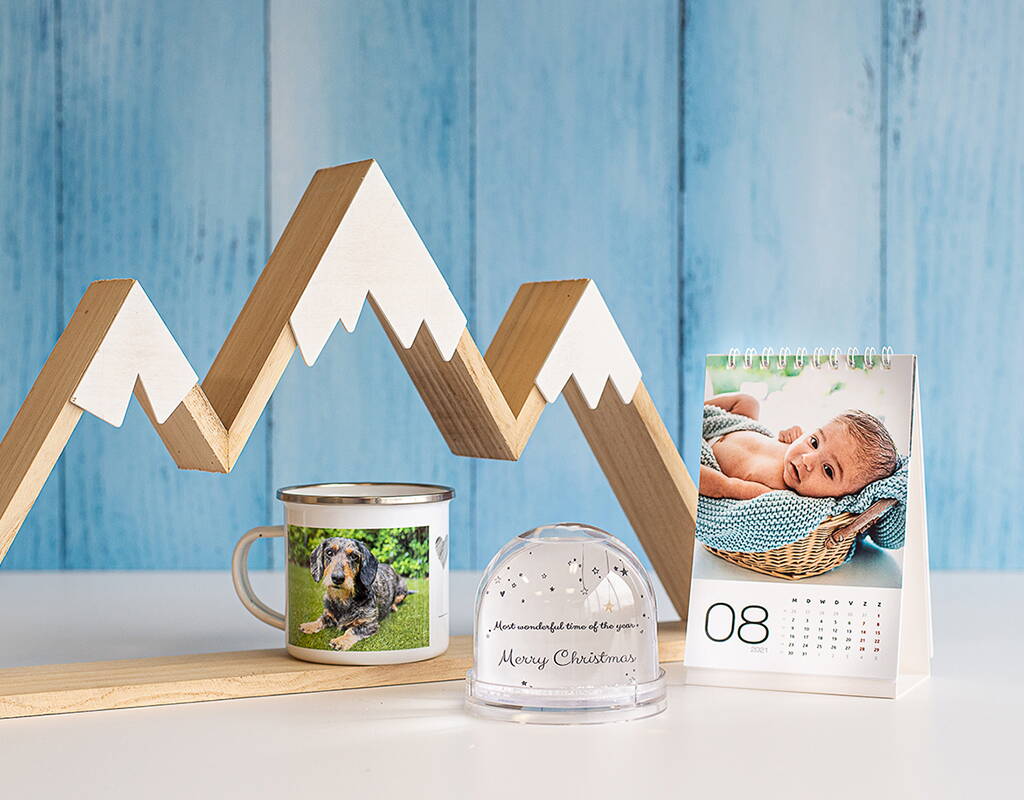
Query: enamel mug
x=366 y=572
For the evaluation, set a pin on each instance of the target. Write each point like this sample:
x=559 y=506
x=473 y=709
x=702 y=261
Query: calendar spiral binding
x=817 y=359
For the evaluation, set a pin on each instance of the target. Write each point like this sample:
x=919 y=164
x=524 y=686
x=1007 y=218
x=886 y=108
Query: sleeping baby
x=839 y=458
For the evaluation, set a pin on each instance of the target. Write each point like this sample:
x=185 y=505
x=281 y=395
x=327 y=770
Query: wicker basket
x=824 y=549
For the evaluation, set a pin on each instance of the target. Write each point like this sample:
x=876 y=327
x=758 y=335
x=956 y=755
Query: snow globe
x=565 y=631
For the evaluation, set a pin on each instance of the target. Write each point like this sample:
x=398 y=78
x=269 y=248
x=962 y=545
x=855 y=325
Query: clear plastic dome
x=565 y=631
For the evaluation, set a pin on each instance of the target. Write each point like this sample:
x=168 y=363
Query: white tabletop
x=956 y=736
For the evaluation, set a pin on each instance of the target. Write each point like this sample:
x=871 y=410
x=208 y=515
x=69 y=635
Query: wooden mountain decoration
x=349 y=243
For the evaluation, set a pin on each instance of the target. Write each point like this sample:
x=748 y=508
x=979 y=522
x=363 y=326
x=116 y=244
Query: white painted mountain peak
x=138 y=345
x=592 y=350
x=377 y=251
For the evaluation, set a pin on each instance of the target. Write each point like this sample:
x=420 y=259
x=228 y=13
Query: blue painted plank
x=163 y=161
x=29 y=260
x=577 y=176
x=781 y=173
x=390 y=81
x=955 y=245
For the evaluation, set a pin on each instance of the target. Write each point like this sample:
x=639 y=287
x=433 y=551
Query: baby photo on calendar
x=804 y=467
x=802 y=512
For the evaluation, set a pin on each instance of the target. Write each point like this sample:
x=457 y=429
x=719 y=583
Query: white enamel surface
x=137 y=345
x=377 y=250
x=592 y=350
x=433 y=515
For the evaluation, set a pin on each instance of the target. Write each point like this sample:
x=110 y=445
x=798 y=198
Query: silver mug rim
x=431 y=493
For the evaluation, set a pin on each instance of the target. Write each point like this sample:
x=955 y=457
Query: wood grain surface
x=65 y=688
x=392 y=81
x=30 y=242
x=162 y=114
x=577 y=134
x=953 y=282
x=782 y=113
x=734 y=174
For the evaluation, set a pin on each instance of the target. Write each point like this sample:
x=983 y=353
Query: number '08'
x=752 y=628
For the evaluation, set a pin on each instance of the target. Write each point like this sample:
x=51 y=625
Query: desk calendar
x=810 y=566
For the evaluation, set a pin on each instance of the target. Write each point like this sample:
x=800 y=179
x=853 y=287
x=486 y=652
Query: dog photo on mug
x=359 y=589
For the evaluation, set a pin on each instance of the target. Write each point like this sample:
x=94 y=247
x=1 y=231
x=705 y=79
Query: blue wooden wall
x=732 y=173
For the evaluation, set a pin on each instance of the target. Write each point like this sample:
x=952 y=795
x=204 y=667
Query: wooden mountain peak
x=349 y=242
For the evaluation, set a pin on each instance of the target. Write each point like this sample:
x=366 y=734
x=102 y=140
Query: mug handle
x=240 y=575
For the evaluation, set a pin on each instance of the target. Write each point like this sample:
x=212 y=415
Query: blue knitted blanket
x=778 y=518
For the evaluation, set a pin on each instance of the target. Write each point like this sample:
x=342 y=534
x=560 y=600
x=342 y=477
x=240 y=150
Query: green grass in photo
x=404 y=629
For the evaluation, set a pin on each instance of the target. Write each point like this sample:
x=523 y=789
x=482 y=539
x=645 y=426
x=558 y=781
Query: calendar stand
x=845 y=631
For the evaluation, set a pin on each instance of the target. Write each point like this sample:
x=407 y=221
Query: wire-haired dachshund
x=359 y=591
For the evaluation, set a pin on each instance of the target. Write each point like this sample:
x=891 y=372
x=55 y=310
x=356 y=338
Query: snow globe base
x=583 y=706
